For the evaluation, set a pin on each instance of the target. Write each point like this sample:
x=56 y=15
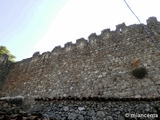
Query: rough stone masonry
x=98 y=67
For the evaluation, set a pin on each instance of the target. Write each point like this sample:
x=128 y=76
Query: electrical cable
x=143 y=27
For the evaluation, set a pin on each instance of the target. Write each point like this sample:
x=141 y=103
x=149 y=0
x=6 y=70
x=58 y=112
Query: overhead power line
x=143 y=27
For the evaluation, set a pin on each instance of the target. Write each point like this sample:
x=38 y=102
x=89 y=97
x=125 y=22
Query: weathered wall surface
x=99 y=67
x=4 y=68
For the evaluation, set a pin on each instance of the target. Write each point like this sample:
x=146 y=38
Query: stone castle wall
x=100 y=67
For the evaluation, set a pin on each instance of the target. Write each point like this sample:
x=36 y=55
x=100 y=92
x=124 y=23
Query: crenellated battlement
x=105 y=36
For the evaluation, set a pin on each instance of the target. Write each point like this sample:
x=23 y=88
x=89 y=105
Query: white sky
x=80 y=18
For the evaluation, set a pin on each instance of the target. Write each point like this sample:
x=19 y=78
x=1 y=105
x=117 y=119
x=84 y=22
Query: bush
x=139 y=73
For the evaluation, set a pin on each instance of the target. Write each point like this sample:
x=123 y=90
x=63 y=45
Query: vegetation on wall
x=4 y=50
x=139 y=73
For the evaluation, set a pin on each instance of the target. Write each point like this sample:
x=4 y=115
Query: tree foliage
x=4 y=50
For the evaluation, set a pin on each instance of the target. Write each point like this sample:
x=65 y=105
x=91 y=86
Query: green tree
x=4 y=50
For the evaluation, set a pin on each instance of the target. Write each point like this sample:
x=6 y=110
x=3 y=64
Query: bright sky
x=28 y=26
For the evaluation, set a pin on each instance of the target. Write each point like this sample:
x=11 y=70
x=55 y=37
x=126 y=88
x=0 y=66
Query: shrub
x=139 y=73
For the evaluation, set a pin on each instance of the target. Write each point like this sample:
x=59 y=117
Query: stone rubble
x=79 y=110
